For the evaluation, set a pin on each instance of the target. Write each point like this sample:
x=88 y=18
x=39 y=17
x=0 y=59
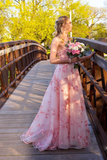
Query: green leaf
x=84 y=53
x=76 y=55
x=71 y=56
x=76 y=66
x=66 y=45
x=79 y=55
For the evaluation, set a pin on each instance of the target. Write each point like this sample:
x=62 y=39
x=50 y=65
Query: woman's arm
x=56 y=60
x=53 y=58
x=86 y=57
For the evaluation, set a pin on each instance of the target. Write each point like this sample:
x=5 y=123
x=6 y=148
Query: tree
x=35 y=19
x=98 y=15
x=29 y=23
x=84 y=17
x=99 y=31
x=4 y=11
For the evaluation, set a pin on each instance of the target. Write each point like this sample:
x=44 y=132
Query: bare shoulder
x=56 y=40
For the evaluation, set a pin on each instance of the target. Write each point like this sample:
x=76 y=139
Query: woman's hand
x=92 y=53
x=76 y=59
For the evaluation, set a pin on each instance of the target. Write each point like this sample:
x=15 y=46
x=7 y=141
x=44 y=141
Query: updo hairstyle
x=58 y=25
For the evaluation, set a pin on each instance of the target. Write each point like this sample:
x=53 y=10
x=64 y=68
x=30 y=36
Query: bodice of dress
x=62 y=53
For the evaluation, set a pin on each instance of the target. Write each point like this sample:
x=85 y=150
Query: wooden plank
x=12 y=130
x=9 y=137
x=18 y=151
x=17 y=116
x=19 y=45
x=8 y=121
x=99 y=60
x=15 y=125
x=12 y=144
x=54 y=157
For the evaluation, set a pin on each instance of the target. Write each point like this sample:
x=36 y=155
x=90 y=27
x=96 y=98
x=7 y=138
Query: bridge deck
x=19 y=111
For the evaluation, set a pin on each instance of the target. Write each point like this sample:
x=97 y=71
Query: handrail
x=12 y=43
x=96 y=105
x=97 y=45
x=10 y=49
x=99 y=60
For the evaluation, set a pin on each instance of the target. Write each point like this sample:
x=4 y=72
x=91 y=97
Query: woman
x=61 y=121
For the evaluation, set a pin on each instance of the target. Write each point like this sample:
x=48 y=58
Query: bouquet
x=76 y=49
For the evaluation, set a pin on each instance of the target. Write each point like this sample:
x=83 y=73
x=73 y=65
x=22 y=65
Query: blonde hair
x=58 y=25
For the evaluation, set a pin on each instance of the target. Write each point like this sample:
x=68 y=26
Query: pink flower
x=73 y=45
x=77 y=43
x=69 y=50
x=75 y=52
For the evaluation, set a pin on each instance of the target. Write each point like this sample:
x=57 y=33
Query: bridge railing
x=15 y=58
x=93 y=73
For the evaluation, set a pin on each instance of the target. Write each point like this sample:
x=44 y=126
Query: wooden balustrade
x=93 y=73
x=15 y=58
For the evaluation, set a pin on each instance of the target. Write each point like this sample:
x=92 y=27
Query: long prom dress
x=61 y=121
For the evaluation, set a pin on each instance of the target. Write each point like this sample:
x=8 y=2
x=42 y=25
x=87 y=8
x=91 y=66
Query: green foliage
x=4 y=11
x=35 y=20
x=66 y=45
x=48 y=51
x=99 y=31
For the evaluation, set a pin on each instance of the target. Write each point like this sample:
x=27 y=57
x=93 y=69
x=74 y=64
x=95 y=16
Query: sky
x=96 y=3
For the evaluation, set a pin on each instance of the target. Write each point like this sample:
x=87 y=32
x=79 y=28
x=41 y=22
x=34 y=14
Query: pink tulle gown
x=61 y=121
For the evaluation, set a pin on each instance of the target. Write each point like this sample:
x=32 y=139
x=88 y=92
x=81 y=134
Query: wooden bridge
x=25 y=73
